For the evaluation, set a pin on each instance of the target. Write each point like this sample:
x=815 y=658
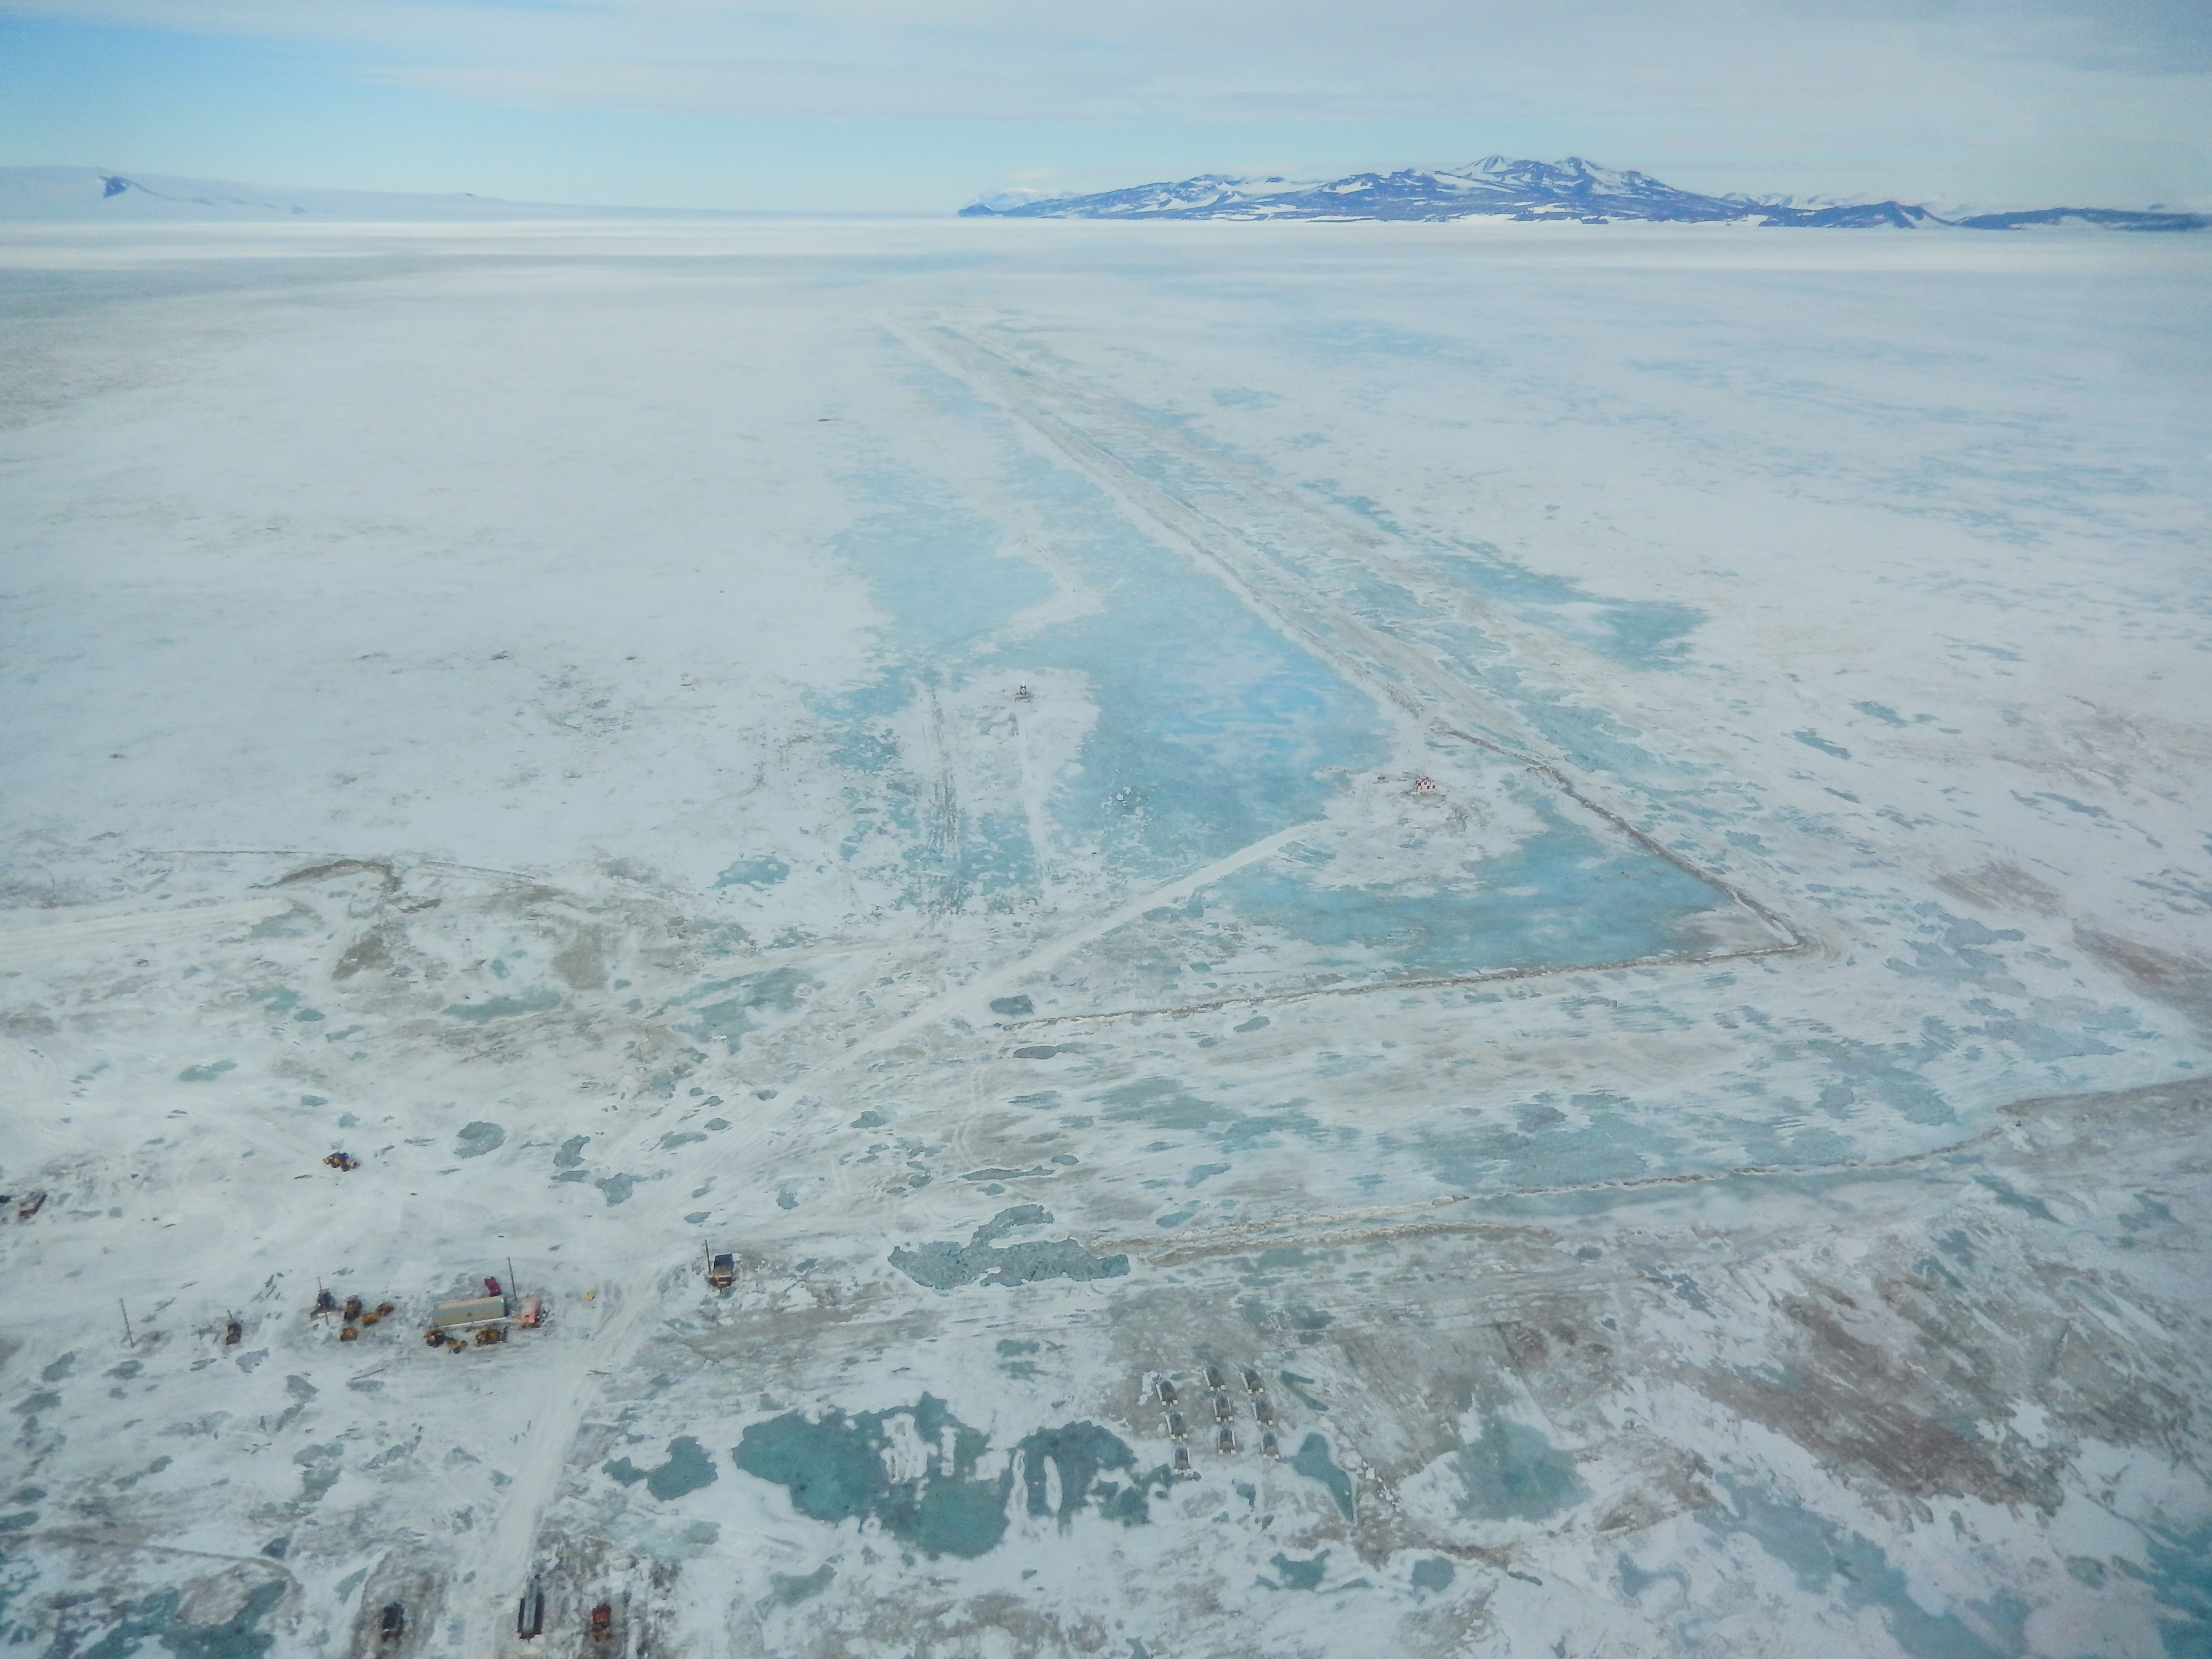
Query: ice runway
x=1574 y=855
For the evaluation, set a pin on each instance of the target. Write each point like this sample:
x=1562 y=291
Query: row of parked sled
x=1225 y=1412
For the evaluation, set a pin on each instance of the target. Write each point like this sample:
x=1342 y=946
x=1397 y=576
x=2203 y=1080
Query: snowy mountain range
x=1499 y=186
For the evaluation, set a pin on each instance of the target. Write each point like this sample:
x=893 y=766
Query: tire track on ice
x=979 y=990
x=31 y=945
x=743 y=1149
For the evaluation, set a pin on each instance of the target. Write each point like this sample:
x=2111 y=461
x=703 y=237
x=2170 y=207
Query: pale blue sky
x=908 y=105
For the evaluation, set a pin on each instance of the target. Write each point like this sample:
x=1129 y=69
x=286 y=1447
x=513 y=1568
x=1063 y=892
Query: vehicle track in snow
x=553 y=1399
x=818 y=1116
x=36 y=940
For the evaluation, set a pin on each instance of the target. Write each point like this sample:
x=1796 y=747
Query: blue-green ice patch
x=789 y=1589
x=1080 y=1454
x=1512 y=1472
x=239 y=1637
x=753 y=873
x=1828 y=1558
x=1639 y=632
x=1210 y=729
x=476 y=1139
x=687 y=1468
x=1562 y=897
x=1291 y=1574
x=943 y=1266
x=730 y=1008
x=1314 y=1462
x=535 y=1001
x=836 y=1468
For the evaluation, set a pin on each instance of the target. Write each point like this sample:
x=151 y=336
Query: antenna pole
x=128 y=1340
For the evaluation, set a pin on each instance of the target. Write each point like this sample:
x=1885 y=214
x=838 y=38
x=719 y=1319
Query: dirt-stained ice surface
x=1370 y=940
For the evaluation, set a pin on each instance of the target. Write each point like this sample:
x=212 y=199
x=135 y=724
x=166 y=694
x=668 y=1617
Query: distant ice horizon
x=87 y=193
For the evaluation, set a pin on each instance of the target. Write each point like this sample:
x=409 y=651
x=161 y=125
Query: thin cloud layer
x=1981 y=103
x=1233 y=60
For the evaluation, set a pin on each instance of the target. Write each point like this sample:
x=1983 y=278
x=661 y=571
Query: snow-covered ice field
x=1581 y=858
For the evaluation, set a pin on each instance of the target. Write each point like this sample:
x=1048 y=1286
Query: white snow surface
x=1590 y=859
